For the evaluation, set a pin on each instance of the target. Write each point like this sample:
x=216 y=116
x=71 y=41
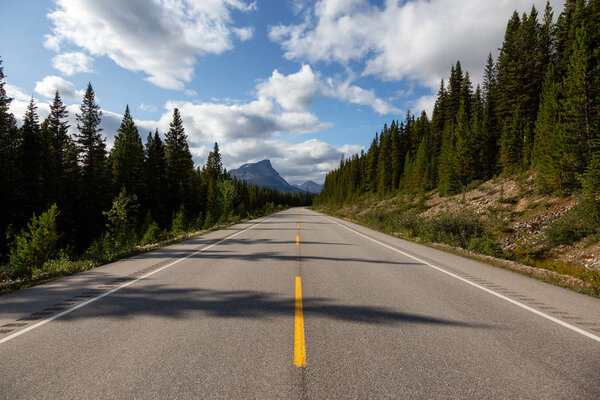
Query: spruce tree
x=32 y=165
x=64 y=172
x=155 y=180
x=127 y=157
x=9 y=143
x=96 y=191
x=179 y=163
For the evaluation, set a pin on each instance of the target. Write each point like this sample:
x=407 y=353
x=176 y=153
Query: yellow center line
x=299 y=344
x=298 y=226
x=297 y=240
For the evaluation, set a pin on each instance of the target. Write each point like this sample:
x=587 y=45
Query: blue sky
x=298 y=82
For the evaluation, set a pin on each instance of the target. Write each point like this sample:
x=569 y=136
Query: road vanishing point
x=298 y=305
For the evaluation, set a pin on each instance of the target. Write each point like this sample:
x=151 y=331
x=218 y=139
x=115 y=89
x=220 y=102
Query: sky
x=298 y=82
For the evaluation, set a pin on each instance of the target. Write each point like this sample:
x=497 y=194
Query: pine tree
x=127 y=157
x=384 y=165
x=179 y=163
x=511 y=144
x=32 y=165
x=372 y=159
x=64 y=172
x=577 y=103
x=9 y=143
x=96 y=191
x=155 y=179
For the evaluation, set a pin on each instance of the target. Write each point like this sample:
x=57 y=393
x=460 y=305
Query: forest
x=66 y=202
x=537 y=110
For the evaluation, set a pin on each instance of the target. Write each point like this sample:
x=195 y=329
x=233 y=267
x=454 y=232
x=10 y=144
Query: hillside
x=503 y=221
x=263 y=174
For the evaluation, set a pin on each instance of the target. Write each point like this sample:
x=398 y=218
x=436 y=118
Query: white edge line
x=524 y=306
x=85 y=303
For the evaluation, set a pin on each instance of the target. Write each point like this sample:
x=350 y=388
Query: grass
x=475 y=236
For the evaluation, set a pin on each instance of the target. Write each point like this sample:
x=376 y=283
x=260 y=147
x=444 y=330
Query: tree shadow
x=178 y=303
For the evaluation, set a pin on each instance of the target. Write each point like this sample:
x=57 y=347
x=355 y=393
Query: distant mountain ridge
x=263 y=174
x=311 y=187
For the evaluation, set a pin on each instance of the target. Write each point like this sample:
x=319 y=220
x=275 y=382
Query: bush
x=35 y=245
x=179 y=224
x=100 y=251
x=575 y=224
x=121 y=223
x=152 y=235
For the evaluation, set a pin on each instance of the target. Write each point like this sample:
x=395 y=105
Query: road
x=299 y=305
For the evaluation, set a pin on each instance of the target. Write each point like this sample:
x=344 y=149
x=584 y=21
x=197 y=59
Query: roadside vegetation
x=510 y=169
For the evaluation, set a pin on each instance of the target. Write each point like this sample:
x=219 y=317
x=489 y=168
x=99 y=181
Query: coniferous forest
x=537 y=109
x=65 y=197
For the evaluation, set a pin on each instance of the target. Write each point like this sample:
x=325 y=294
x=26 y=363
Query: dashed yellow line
x=299 y=343
x=297 y=240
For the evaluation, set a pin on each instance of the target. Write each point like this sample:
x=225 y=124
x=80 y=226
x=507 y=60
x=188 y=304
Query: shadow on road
x=160 y=301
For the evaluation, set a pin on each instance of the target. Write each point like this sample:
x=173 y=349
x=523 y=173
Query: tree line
x=537 y=109
x=138 y=186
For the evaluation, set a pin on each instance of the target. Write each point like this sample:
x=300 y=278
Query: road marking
x=299 y=343
x=70 y=310
x=297 y=240
x=518 y=304
x=298 y=226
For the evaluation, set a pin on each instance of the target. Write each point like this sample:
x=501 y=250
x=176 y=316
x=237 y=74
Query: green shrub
x=121 y=223
x=100 y=251
x=581 y=221
x=35 y=245
x=65 y=265
x=179 y=223
x=152 y=235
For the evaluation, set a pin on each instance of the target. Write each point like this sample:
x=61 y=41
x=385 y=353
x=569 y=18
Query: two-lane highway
x=299 y=305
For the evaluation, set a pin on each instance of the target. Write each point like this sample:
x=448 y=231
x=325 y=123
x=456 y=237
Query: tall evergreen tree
x=127 y=157
x=32 y=165
x=64 y=172
x=179 y=163
x=96 y=191
x=9 y=143
x=155 y=180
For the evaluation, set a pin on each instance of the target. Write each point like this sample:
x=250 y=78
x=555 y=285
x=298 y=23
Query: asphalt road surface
x=225 y=316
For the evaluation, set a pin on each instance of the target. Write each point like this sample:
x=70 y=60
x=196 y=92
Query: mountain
x=311 y=187
x=263 y=174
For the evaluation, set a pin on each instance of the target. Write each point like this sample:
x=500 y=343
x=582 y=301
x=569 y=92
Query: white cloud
x=294 y=92
x=357 y=95
x=191 y=93
x=72 y=63
x=417 y=39
x=209 y=122
x=50 y=84
x=146 y=107
x=161 y=38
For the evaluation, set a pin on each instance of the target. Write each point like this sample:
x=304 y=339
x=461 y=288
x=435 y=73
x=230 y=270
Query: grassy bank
x=535 y=239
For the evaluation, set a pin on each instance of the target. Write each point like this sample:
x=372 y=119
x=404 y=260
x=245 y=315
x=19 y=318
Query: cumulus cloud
x=50 y=84
x=72 y=63
x=357 y=95
x=161 y=38
x=147 y=107
x=417 y=39
x=209 y=122
x=296 y=92
x=296 y=162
